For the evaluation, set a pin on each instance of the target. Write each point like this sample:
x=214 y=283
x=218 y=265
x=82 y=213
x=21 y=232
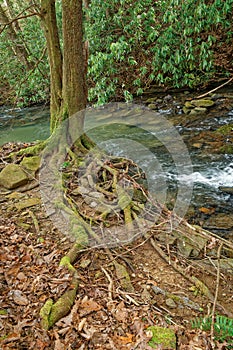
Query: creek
x=212 y=174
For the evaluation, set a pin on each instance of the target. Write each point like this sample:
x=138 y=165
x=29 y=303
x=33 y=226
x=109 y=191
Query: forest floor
x=106 y=314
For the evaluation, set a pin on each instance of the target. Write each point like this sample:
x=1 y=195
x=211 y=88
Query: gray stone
x=13 y=176
x=80 y=190
x=170 y=303
x=98 y=195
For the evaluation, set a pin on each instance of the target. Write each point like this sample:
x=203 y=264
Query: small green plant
x=223 y=327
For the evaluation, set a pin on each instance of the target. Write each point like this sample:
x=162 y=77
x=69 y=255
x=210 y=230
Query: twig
x=35 y=221
x=215 y=89
x=216 y=293
x=18 y=17
x=127 y=296
x=110 y=286
x=186 y=276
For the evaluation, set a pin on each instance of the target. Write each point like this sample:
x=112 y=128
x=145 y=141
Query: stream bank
x=207 y=134
x=105 y=315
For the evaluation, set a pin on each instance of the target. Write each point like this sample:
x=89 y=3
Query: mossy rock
x=31 y=164
x=193 y=112
x=27 y=203
x=163 y=337
x=152 y=106
x=151 y=100
x=186 y=110
x=200 y=110
x=188 y=105
x=202 y=103
x=13 y=176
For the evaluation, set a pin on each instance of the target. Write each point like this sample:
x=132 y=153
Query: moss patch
x=225 y=129
x=164 y=337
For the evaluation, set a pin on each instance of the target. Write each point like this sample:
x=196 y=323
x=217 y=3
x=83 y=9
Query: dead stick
x=216 y=292
x=110 y=286
x=215 y=89
x=180 y=270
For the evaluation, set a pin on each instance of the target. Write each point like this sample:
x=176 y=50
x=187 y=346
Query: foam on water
x=213 y=177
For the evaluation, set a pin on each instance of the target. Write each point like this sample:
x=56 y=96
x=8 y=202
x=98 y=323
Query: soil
x=104 y=315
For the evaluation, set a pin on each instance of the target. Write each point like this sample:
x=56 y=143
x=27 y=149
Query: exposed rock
x=215 y=97
x=188 y=104
x=226 y=189
x=193 y=112
x=202 y=103
x=13 y=176
x=30 y=202
x=200 y=109
x=170 y=303
x=191 y=247
x=152 y=106
x=31 y=164
x=151 y=100
x=186 y=110
x=220 y=221
x=80 y=190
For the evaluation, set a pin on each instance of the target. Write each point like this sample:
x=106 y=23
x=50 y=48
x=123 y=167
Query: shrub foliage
x=132 y=45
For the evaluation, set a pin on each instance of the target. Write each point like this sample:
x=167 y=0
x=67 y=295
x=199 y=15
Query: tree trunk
x=67 y=73
x=74 y=79
x=17 y=45
x=49 y=25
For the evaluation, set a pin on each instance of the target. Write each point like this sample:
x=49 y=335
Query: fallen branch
x=215 y=89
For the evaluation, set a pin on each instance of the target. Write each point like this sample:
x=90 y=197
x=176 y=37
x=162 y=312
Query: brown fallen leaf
x=120 y=312
x=19 y=298
x=205 y=210
x=126 y=340
x=41 y=345
x=88 y=306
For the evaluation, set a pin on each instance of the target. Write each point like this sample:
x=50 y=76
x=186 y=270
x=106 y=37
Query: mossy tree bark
x=68 y=96
x=67 y=69
x=49 y=25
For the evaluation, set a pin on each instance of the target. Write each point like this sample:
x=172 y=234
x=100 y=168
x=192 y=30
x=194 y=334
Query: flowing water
x=24 y=125
x=209 y=175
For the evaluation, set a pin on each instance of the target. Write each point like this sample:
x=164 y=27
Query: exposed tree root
x=31 y=150
x=107 y=205
x=52 y=312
